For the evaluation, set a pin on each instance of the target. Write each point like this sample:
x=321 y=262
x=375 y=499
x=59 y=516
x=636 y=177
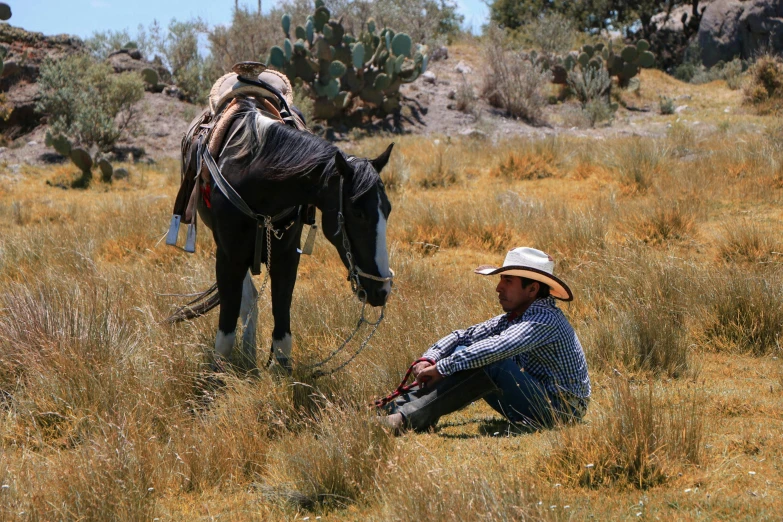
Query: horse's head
x=360 y=234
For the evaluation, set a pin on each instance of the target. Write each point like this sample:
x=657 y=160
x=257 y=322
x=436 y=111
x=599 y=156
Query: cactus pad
x=300 y=33
x=642 y=45
x=646 y=59
x=62 y=145
x=358 y=56
x=81 y=158
x=150 y=76
x=288 y=49
x=337 y=69
x=371 y=25
x=286 y=23
x=277 y=57
x=401 y=45
x=629 y=53
x=5 y=11
x=106 y=170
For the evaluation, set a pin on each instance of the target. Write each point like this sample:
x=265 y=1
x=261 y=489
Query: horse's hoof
x=281 y=366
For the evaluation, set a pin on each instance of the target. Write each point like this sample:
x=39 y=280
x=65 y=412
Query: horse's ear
x=343 y=167
x=381 y=161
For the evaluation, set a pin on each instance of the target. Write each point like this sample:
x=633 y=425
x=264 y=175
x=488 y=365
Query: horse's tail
x=203 y=303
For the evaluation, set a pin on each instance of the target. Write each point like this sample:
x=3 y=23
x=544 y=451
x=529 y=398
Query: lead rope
x=403 y=387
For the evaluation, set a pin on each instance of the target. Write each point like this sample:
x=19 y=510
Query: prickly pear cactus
x=81 y=158
x=342 y=71
x=624 y=65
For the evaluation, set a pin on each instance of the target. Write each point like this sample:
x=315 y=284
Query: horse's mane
x=284 y=153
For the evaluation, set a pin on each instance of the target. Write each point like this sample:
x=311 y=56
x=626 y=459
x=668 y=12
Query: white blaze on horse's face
x=381 y=253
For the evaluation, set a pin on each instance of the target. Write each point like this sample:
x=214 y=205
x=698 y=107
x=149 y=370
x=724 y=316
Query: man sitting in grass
x=527 y=364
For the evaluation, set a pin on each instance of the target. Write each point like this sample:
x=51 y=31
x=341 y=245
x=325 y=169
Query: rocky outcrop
x=26 y=52
x=732 y=28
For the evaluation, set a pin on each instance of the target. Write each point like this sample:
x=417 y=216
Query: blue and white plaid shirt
x=541 y=340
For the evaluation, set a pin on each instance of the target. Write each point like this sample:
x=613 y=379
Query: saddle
x=273 y=97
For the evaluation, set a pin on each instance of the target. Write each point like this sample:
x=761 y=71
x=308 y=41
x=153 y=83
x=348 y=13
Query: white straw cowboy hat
x=532 y=264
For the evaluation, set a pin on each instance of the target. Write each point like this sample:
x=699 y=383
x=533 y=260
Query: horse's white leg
x=224 y=343
x=248 y=314
x=282 y=350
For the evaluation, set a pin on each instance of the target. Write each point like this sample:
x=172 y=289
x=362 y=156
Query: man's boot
x=422 y=408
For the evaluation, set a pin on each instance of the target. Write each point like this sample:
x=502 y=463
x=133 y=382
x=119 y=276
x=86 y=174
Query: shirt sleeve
x=518 y=338
x=445 y=346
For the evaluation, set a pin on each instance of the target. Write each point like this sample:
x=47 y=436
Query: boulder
x=429 y=77
x=732 y=28
x=130 y=60
x=761 y=27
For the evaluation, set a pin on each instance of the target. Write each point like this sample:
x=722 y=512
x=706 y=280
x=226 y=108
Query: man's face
x=513 y=296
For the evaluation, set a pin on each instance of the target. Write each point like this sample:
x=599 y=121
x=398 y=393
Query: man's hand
x=419 y=367
x=429 y=376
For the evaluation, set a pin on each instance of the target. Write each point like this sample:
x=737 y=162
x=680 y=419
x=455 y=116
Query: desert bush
x=537 y=162
x=248 y=37
x=441 y=171
x=589 y=83
x=512 y=82
x=465 y=99
x=642 y=327
x=193 y=73
x=666 y=105
x=599 y=111
x=641 y=439
x=765 y=86
x=85 y=100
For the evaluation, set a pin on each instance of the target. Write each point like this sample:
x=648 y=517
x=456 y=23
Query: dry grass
x=108 y=414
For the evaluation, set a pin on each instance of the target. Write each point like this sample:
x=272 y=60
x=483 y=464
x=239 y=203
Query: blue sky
x=83 y=17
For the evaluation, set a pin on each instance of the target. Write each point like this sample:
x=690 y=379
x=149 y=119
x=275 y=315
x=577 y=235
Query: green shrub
x=86 y=101
x=666 y=105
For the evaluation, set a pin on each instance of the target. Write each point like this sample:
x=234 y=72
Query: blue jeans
x=522 y=399
x=503 y=385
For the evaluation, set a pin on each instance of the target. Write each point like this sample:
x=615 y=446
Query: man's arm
x=514 y=340
x=446 y=345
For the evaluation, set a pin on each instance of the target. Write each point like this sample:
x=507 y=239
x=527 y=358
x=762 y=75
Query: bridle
x=354 y=273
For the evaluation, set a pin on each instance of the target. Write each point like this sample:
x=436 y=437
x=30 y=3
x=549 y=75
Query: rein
x=354 y=272
x=402 y=388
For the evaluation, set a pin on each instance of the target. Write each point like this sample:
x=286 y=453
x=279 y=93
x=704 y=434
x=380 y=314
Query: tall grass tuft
x=539 y=159
x=335 y=462
x=638 y=163
x=744 y=311
x=640 y=320
x=746 y=241
x=493 y=494
x=641 y=440
x=666 y=222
